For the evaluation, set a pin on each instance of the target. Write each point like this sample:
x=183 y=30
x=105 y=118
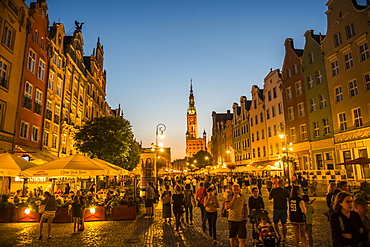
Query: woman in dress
x=49 y=213
x=83 y=208
x=346 y=225
x=211 y=205
x=76 y=213
x=178 y=204
x=188 y=204
x=166 y=203
x=297 y=211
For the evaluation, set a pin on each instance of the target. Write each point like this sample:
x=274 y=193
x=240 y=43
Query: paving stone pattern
x=147 y=232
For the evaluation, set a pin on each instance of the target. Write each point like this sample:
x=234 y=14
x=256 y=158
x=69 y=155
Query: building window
x=337 y=39
x=8 y=36
x=339 y=94
x=357 y=118
x=353 y=90
x=38 y=99
x=56 y=114
x=298 y=87
x=367 y=81
x=271 y=150
x=268 y=114
x=256 y=119
x=274 y=92
x=350 y=30
x=303 y=132
x=59 y=87
x=293 y=136
x=316 y=130
x=277 y=148
x=259 y=152
x=280 y=108
x=291 y=113
x=322 y=101
x=310 y=82
x=264 y=151
x=288 y=73
x=319 y=77
x=2 y=114
x=261 y=117
x=364 y=52
x=275 y=130
x=23 y=133
x=4 y=68
x=252 y=137
x=348 y=60
x=263 y=134
x=42 y=43
x=342 y=121
x=269 y=131
x=335 y=68
x=300 y=109
x=257 y=136
x=41 y=70
x=35 y=134
x=51 y=80
x=313 y=105
x=311 y=58
x=325 y=123
x=273 y=111
x=289 y=93
x=295 y=69
x=35 y=36
x=27 y=96
x=45 y=142
x=31 y=61
x=49 y=112
x=54 y=141
x=269 y=96
x=251 y=121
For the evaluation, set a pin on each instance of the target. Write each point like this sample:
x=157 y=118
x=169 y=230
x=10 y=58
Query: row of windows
x=32 y=100
x=322 y=100
x=31 y=65
x=353 y=88
x=350 y=32
x=24 y=131
x=4 y=73
x=356 y=116
x=319 y=79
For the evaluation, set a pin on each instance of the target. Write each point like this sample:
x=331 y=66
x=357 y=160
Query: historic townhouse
x=245 y=145
x=318 y=105
x=13 y=31
x=347 y=61
x=31 y=108
x=234 y=150
x=274 y=115
x=296 y=128
x=55 y=89
x=218 y=140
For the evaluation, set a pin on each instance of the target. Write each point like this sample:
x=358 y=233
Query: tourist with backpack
x=166 y=204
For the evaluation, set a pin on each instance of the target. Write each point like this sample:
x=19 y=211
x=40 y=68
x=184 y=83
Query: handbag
x=224 y=213
x=43 y=206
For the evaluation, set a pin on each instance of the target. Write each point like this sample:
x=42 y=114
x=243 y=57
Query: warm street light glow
x=228 y=151
x=162 y=135
x=206 y=157
x=281 y=136
x=27 y=211
x=92 y=210
x=195 y=161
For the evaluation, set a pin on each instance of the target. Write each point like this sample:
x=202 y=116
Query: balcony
x=27 y=102
x=3 y=82
x=37 y=108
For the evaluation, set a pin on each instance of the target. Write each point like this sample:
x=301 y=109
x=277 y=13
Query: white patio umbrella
x=12 y=165
x=111 y=168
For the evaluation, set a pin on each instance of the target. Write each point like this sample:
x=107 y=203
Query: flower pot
x=22 y=216
x=62 y=216
x=123 y=212
x=99 y=214
x=6 y=214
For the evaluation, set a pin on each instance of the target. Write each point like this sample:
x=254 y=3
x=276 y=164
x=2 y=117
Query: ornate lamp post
x=159 y=132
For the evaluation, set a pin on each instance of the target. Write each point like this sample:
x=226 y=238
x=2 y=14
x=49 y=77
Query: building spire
x=191 y=109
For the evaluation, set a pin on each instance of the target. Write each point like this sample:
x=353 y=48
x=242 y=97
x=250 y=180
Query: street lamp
x=159 y=132
x=286 y=149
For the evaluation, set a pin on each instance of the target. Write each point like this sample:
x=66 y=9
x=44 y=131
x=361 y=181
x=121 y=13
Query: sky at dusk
x=154 y=47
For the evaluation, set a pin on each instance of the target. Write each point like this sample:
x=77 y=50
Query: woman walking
x=76 y=213
x=297 y=210
x=178 y=204
x=346 y=225
x=211 y=205
x=188 y=204
x=49 y=212
x=166 y=203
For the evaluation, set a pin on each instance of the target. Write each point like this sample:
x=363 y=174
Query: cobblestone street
x=147 y=232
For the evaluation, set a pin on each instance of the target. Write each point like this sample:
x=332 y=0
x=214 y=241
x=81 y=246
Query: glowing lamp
x=92 y=210
x=27 y=211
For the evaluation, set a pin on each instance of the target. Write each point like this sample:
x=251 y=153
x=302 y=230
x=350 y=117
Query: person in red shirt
x=201 y=193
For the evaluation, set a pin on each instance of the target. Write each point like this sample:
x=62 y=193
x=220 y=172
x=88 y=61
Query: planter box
x=61 y=216
x=7 y=214
x=98 y=215
x=21 y=216
x=123 y=212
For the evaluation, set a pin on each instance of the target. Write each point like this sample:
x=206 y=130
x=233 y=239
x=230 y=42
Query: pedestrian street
x=150 y=232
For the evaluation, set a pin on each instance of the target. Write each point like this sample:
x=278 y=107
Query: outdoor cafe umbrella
x=111 y=168
x=75 y=165
x=362 y=161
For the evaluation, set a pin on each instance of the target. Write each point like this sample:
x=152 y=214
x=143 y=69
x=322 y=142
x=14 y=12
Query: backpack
x=166 y=198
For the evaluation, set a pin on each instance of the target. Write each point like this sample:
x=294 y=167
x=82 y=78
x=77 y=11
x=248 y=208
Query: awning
x=37 y=156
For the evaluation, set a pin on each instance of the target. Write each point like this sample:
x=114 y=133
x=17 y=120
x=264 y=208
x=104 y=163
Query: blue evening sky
x=154 y=47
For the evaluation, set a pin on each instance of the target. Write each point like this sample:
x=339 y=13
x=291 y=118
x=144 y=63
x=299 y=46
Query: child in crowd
x=309 y=214
x=76 y=213
x=264 y=227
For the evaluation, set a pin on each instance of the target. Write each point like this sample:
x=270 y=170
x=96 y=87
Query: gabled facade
x=218 y=140
x=347 y=62
x=13 y=33
x=318 y=105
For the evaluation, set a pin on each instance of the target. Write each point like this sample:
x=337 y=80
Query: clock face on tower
x=191 y=120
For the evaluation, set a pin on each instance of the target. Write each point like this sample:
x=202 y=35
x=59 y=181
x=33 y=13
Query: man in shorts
x=281 y=198
x=236 y=203
x=149 y=199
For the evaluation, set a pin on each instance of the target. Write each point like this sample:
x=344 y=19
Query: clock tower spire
x=192 y=124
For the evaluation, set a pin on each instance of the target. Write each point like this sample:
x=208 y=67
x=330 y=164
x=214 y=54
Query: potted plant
x=6 y=209
x=126 y=207
x=62 y=215
x=94 y=211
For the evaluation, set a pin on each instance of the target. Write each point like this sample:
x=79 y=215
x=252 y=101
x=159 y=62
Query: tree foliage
x=200 y=160
x=109 y=139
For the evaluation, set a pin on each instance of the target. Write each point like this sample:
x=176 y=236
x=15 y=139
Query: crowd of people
x=347 y=215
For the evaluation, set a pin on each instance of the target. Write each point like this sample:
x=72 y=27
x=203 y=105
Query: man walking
x=149 y=199
x=201 y=193
x=238 y=212
x=281 y=197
